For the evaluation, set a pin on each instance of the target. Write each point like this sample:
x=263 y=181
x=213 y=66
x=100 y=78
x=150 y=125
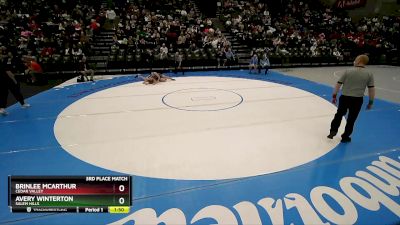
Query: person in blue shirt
x=229 y=56
x=253 y=62
x=264 y=63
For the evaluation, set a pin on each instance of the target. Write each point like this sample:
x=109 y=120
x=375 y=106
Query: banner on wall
x=350 y=4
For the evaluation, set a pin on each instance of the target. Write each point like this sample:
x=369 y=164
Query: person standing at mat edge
x=8 y=82
x=354 y=82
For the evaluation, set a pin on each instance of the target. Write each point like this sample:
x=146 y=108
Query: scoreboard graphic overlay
x=356 y=183
x=90 y=194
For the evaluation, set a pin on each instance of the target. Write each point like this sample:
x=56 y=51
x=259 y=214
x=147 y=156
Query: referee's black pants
x=347 y=104
x=8 y=84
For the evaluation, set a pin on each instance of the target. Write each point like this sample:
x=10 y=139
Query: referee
x=354 y=82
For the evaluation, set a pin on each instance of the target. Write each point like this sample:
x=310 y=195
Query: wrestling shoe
x=26 y=105
x=331 y=135
x=345 y=140
x=3 y=112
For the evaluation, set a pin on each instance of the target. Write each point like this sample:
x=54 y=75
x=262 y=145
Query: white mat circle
x=128 y=128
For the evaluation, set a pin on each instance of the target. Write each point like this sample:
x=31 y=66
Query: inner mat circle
x=128 y=129
x=202 y=99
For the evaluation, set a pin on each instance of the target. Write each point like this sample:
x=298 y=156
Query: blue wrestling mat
x=354 y=183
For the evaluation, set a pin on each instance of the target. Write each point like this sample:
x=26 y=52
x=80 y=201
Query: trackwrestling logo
x=372 y=191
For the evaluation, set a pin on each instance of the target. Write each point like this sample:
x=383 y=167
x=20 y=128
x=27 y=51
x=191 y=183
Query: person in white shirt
x=111 y=15
x=77 y=51
x=337 y=54
x=163 y=51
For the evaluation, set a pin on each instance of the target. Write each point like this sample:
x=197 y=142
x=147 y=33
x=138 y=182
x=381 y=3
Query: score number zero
x=121 y=200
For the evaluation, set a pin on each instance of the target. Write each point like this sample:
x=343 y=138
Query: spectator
x=337 y=54
x=221 y=57
x=264 y=63
x=181 y=41
x=193 y=48
x=77 y=51
x=111 y=15
x=163 y=52
x=230 y=57
x=85 y=70
x=253 y=63
x=34 y=71
x=178 y=62
x=311 y=26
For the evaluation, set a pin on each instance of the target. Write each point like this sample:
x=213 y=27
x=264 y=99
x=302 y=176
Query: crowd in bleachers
x=51 y=32
x=57 y=33
x=154 y=32
x=305 y=29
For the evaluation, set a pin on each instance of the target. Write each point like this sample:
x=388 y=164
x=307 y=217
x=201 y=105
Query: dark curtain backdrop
x=208 y=7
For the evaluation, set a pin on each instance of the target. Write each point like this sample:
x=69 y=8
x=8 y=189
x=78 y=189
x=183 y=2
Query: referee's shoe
x=331 y=135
